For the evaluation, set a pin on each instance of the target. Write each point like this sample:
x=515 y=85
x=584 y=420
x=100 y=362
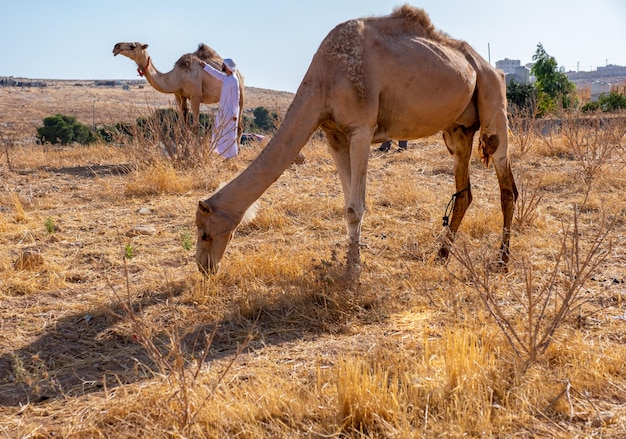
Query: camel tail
x=492 y=113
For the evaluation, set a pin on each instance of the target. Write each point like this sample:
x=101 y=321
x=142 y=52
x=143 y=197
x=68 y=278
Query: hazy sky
x=273 y=41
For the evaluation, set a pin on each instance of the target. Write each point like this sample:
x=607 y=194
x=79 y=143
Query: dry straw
x=96 y=343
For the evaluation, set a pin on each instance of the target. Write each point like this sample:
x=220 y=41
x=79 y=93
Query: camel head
x=214 y=232
x=138 y=52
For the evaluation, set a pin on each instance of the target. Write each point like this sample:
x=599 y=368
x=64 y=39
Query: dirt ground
x=98 y=262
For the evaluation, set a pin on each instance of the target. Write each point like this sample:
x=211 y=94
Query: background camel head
x=214 y=233
x=135 y=51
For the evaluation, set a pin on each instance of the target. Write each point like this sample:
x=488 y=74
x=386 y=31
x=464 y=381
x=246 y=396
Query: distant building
x=522 y=75
x=508 y=66
x=612 y=70
x=608 y=73
x=514 y=70
x=20 y=82
x=598 y=88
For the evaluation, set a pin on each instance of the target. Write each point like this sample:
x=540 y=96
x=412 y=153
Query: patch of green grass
x=50 y=226
x=129 y=251
x=185 y=237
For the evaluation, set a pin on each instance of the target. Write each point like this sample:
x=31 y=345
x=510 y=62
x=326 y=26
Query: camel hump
x=205 y=53
x=417 y=22
x=185 y=61
x=416 y=16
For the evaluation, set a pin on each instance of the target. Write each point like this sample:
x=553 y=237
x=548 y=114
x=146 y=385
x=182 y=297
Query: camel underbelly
x=428 y=91
x=421 y=119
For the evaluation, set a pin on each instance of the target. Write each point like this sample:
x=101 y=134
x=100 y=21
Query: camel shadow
x=77 y=355
x=93 y=171
x=82 y=353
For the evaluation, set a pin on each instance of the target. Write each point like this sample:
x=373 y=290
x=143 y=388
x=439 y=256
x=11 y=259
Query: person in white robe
x=226 y=120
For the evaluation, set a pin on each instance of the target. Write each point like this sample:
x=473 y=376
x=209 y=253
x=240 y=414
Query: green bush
x=521 y=97
x=264 y=120
x=590 y=107
x=612 y=101
x=607 y=102
x=64 y=130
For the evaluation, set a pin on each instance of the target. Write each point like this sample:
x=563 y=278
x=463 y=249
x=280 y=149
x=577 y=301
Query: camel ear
x=144 y=46
x=204 y=207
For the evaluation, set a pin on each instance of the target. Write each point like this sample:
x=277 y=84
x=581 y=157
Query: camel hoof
x=441 y=256
x=500 y=265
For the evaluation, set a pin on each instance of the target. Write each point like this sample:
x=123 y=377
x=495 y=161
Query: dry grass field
x=108 y=330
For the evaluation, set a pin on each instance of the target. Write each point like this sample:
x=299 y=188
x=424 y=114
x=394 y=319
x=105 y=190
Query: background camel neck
x=160 y=81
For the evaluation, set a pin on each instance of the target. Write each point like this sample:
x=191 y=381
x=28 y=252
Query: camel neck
x=299 y=124
x=142 y=71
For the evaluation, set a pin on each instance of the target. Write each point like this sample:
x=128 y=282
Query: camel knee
x=354 y=217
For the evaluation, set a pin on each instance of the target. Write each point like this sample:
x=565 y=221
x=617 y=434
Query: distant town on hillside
x=602 y=80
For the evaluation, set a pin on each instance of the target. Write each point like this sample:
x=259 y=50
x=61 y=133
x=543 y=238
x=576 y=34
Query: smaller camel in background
x=186 y=80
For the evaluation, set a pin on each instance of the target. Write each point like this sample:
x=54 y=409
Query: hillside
x=101 y=105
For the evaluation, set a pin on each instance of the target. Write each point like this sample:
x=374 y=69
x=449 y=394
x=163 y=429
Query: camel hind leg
x=495 y=148
x=459 y=142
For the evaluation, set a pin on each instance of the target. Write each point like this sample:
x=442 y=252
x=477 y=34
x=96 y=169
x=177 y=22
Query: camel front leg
x=195 y=112
x=351 y=157
x=181 y=102
x=459 y=143
x=360 y=143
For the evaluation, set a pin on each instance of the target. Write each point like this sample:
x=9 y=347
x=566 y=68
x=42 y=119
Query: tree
x=554 y=90
x=264 y=120
x=64 y=130
x=521 y=98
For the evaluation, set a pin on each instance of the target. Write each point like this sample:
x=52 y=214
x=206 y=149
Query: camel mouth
x=207 y=266
x=212 y=269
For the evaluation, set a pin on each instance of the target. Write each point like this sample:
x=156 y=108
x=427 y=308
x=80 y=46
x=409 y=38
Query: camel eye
x=205 y=237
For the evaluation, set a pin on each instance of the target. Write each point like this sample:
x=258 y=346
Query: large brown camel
x=186 y=80
x=373 y=79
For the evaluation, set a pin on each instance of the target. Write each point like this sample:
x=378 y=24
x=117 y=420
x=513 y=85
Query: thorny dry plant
x=523 y=124
x=593 y=142
x=170 y=358
x=527 y=203
x=539 y=308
